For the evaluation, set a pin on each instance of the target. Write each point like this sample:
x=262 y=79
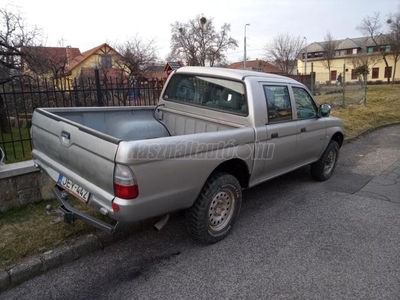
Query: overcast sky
x=86 y=23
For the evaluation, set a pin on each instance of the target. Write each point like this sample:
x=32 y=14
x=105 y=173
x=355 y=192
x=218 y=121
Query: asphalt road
x=295 y=239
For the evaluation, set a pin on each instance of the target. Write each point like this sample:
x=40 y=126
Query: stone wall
x=22 y=183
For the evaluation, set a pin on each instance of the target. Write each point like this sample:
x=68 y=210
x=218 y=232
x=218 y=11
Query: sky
x=85 y=24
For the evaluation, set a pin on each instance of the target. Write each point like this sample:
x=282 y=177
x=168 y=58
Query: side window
x=278 y=103
x=305 y=105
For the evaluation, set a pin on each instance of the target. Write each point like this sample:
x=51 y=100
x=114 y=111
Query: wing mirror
x=325 y=110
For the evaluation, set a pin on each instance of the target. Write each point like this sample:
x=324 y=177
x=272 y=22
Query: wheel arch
x=338 y=137
x=236 y=167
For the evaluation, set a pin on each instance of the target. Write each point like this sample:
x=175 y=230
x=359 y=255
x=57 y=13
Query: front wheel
x=323 y=169
x=216 y=209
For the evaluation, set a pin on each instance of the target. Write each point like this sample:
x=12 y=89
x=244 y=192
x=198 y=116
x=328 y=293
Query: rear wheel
x=215 y=211
x=323 y=169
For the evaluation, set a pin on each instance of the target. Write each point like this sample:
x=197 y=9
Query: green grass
x=26 y=231
x=19 y=150
x=382 y=107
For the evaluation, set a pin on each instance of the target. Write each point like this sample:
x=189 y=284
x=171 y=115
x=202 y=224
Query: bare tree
x=363 y=63
x=329 y=46
x=284 y=50
x=14 y=33
x=371 y=26
x=49 y=62
x=199 y=44
x=393 y=39
x=137 y=57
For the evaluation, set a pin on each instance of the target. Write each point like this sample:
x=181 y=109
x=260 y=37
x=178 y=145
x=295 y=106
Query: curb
x=75 y=249
x=84 y=245
x=354 y=138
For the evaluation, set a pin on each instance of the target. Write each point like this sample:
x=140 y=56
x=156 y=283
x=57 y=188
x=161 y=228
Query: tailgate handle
x=65 y=138
x=274 y=135
x=65 y=135
x=303 y=129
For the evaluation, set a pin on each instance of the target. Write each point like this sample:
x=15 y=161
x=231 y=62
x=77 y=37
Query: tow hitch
x=61 y=216
x=67 y=213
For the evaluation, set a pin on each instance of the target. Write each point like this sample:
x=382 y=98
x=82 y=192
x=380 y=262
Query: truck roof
x=235 y=73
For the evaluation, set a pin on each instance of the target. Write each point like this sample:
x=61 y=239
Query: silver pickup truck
x=214 y=133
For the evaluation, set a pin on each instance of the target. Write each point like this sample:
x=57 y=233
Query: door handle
x=274 y=135
x=303 y=129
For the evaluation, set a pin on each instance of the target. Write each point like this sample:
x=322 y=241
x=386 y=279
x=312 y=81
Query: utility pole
x=245 y=56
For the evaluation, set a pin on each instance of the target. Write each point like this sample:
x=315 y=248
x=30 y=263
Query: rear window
x=213 y=93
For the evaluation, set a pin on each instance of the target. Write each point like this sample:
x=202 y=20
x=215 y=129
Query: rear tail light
x=125 y=185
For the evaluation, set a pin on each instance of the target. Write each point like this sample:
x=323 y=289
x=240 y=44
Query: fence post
x=344 y=85
x=312 y=78
x=98 y=88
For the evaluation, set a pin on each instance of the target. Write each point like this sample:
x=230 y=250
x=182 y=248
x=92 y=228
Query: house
x=69 y=63
x=347 y=55
x=256 y=65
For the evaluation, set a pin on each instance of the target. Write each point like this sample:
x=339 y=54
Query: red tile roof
x=60 y=56
x=261 y=65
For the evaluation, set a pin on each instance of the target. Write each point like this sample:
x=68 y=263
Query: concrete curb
x=75 y=249
x=352 y=139
x=87 y=244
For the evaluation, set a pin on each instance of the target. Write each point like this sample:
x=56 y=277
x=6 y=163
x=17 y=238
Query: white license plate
x=73 y=188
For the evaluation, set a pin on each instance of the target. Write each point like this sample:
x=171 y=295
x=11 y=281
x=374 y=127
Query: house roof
x=61 y=56
x=347 y=43
x=261 y=65
x=85 y=55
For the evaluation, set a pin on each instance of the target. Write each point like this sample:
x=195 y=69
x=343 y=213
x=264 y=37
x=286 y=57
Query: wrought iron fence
x=20 y=97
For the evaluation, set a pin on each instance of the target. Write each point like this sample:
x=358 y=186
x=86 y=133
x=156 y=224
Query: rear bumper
x=71 y=214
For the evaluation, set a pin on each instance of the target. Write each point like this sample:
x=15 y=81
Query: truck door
x=281 y=131
x=311 y=130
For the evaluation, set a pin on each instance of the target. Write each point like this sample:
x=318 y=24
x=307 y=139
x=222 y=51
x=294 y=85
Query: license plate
x=73 y=188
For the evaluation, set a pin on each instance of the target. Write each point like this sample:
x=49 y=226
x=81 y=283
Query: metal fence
x=339 y=93
x=20 y=97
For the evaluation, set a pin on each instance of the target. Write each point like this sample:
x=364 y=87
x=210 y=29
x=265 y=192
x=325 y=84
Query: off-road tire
x=216 y=209
x=323 y=169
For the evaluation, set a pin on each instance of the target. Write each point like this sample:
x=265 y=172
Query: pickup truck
x=214 y=132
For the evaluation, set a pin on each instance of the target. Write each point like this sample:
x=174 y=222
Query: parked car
x=214 y=133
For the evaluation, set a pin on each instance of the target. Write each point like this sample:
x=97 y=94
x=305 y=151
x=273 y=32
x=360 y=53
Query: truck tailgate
x=67 y=148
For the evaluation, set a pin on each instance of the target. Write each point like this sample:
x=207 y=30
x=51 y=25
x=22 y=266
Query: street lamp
x=305 y=59
x=245 y=58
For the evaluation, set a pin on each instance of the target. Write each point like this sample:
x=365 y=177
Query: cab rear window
x=213 y=93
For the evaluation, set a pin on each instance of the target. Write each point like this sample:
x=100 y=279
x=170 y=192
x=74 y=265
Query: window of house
x=333 y=75
x=349 y=51
x=354 y=74
x=375 y=73
x=355 y=51
x=388 y=72
x=106 y=62
x=279 y=107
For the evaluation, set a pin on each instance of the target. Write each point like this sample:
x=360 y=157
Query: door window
x=306 y=108
x=278 y=103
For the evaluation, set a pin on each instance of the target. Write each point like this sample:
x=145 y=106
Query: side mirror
x=324 y=110
x=2 y=155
